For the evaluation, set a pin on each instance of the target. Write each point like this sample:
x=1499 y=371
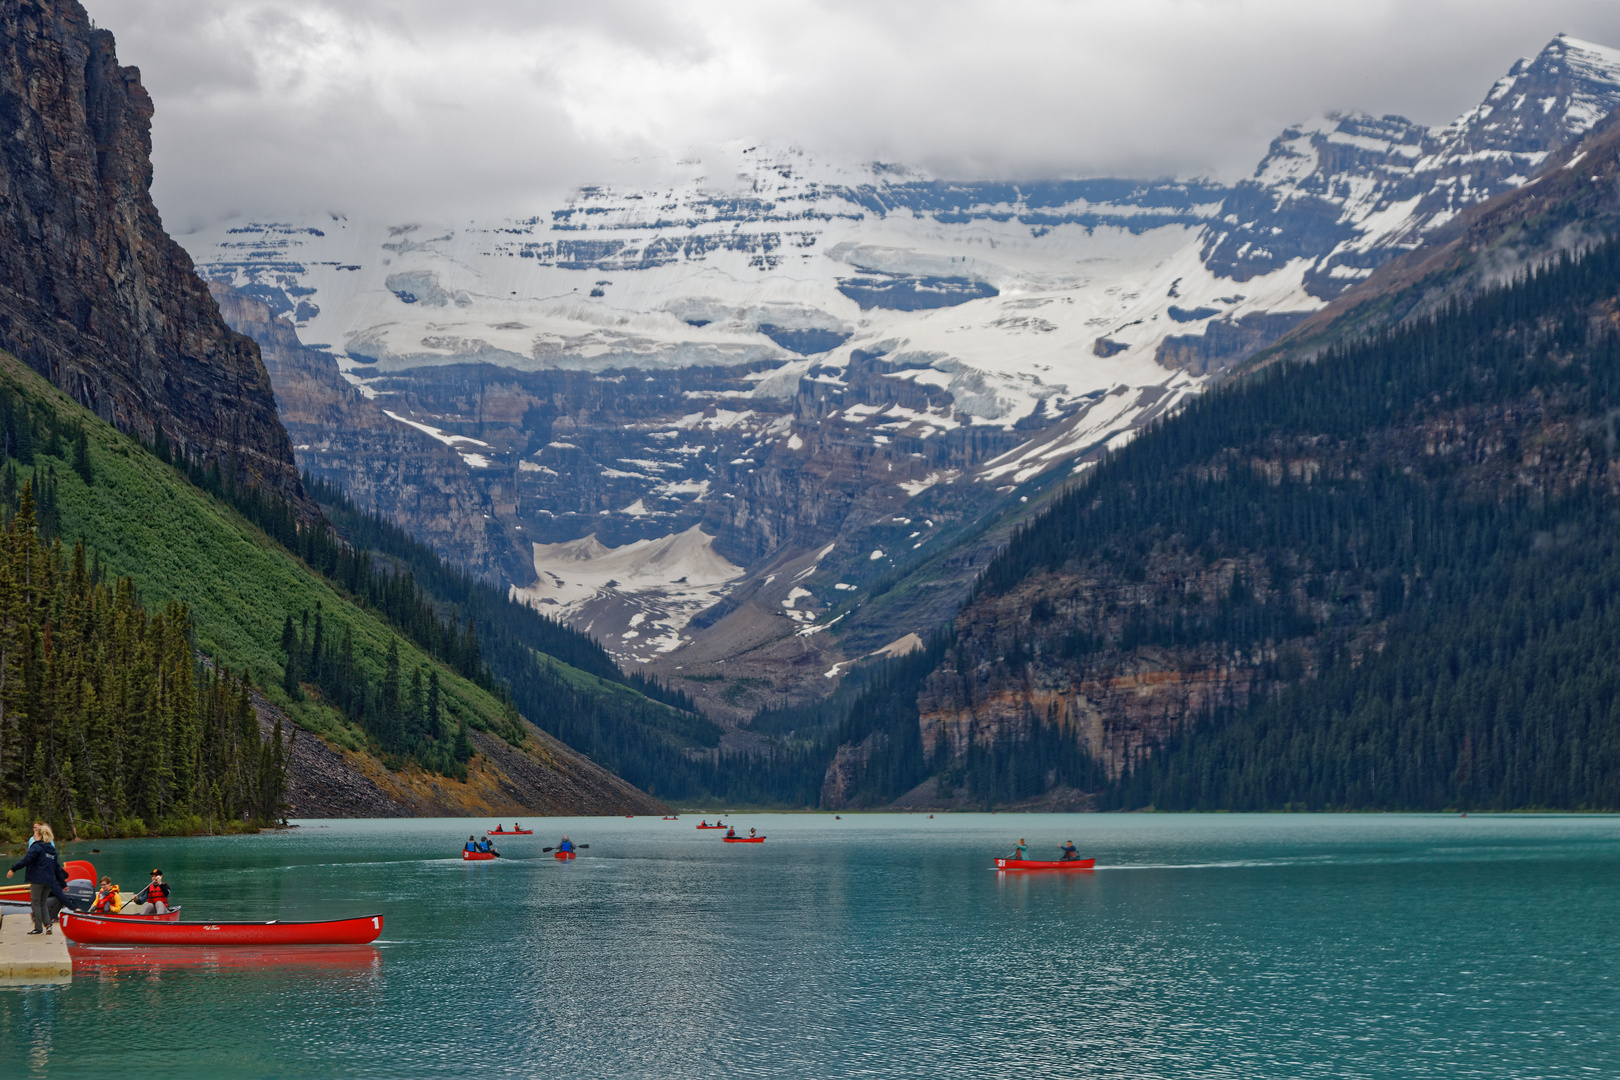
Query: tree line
x=109 y=722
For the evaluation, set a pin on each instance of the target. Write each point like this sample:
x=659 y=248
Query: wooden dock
x=31 y=960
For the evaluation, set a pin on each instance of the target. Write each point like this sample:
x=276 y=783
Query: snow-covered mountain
x=792 y=352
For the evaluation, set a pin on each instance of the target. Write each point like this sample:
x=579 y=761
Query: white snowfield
x=637 y=598
x=1073 y=306
x=690 y=273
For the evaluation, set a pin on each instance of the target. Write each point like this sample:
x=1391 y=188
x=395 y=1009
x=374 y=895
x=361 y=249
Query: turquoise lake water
x=879 y=945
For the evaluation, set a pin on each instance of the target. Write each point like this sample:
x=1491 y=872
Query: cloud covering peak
x=268 y=107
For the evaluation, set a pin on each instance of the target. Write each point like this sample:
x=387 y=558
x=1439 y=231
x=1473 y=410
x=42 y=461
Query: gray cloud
x=274 y=107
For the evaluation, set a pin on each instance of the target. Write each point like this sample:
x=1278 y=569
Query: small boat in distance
x=1044 y=864
x=716 y=825
x=742 y=839
x=498 y=831
x=97 y=930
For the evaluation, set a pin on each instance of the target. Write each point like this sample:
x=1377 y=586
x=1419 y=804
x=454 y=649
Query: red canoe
x=743 y=839
x=95 y=930
x=512 y=832
x=477 y=856
x=1039 y=864
x=714 y=826
x=563 y=855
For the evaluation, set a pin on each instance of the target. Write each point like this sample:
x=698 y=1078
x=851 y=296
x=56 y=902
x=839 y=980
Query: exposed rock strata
x=93 y=293
x=341 y=436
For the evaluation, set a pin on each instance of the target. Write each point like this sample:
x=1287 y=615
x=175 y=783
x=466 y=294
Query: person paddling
x=565 y=844
x=154 y=899
x=1018 y=851
x=730 y=832
x=471 y=845
x=1069 y=853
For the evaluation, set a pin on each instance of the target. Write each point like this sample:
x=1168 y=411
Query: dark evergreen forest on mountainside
x=1497 y=680
x=109 y=724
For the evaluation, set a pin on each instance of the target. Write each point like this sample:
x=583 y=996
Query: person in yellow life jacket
x=154 y=899
x=108 y=899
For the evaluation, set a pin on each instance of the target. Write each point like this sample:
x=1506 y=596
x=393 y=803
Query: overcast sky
x=446 y=109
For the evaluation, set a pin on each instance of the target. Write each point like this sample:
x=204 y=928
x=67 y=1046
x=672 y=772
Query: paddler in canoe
x=1069 y=853
x=471 y=844
x=154 y=899
x=731 y=832
x=565 y=844
x=1018 y=851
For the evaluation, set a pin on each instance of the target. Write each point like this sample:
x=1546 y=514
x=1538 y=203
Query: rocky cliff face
x=402 y=472
x=93 y=293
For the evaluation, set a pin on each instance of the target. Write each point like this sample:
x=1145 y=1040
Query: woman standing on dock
x=42 y=869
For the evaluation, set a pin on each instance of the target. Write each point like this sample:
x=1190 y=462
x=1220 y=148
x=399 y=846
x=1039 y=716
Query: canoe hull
x=510 y=832
x=564 y=855
x=743 y=839
x=1040 y=864
x=95 y=930
x=712 y=826
x=478 y=856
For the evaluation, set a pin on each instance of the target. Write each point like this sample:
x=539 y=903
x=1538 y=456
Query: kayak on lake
x=101 y=930
x=1046 y=864
x=742 y=839
x=479 y=856
x=514 y=831
x=716 y=825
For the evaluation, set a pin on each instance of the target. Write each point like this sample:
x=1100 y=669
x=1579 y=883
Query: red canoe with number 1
x=1041 y=864
x=95 y=930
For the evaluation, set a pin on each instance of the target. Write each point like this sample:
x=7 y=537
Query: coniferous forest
x=109 y=724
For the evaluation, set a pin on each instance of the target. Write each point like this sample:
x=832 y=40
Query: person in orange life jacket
x=730 y=832
x=108 y=899
x=565 y=844
x=154 y=899
x=1069 y=854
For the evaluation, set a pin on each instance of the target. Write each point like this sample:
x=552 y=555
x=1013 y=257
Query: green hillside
x=141 y=518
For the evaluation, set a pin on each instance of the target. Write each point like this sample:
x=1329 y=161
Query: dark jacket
x=41 y=866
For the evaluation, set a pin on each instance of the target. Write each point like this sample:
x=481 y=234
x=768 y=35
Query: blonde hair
x=46 y=834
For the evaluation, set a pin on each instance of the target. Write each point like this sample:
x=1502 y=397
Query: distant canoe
x=97 y=930
x=1039 y=864
x=743 y=839
x=511 y=832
